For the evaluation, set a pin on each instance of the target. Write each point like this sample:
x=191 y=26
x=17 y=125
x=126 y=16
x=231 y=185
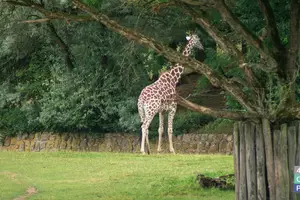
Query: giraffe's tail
x=141 y=134
x=141 y=110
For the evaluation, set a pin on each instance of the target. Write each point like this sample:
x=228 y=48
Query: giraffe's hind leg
x=145 y=132
x=160 y=130
x=150 y=111
x=170 y=127
x=148 y=145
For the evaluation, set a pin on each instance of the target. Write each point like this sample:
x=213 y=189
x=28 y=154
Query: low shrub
x=190 y=121
x=218 y=126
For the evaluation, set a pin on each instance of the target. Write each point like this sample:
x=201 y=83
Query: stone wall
x=187 y=143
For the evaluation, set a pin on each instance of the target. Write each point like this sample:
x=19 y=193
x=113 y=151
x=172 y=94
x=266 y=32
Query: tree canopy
x=81 y=64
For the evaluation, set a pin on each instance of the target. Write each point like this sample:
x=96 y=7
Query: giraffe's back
x=162 y=93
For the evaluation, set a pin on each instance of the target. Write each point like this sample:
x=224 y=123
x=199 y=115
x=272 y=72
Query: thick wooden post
x=284 y=167
x=250 y=161
x=297 y=160
x=243 y=179
x=236 y=151
x=269 y=157
x=276 y=143
x=260 y=164
x=292 y=157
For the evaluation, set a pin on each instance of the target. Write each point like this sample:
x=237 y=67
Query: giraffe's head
x=194 y=41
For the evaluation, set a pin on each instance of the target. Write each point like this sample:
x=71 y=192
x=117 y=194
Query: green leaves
x=75 y=101
x=190 y=121
x=129 y=120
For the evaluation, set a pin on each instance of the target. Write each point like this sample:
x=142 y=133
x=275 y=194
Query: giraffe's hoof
x=172 y=151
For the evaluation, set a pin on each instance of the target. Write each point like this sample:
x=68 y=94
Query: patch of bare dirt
x=12 y=176
x=9 y=174
x=29 y=192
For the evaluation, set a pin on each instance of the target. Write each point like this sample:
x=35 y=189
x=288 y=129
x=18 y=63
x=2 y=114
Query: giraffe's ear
x=188 y=38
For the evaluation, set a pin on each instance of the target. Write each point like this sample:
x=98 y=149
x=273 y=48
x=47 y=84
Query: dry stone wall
x=117 y=142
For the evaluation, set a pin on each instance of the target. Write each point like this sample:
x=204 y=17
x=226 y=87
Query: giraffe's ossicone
x=160 y=97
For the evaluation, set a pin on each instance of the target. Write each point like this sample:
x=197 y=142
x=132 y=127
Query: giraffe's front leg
x=170 y=129
x=160 y=131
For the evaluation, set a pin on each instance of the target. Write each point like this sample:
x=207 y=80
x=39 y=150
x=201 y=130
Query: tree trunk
x=264 y=158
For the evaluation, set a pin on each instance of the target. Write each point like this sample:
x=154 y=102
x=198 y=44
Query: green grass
x=111 y=176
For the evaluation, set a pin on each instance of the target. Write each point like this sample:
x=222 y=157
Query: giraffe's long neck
x=178 y=69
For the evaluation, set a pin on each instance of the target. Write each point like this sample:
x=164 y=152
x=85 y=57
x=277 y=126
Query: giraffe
x=160 y=96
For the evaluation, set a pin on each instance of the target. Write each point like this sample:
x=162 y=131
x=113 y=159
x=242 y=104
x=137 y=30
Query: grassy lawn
x=110 y=176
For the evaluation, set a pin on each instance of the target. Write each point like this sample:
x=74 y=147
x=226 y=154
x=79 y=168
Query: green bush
x=189 y=121
x=17 y=114
x=218 y=126
x=129 y=119
x=14 y=120
x=80 y=101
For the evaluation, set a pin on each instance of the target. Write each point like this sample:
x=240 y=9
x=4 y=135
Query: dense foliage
x=79 y=76
x=95 y=86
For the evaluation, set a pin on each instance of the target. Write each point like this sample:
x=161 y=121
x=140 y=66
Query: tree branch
x=36 y=20
x=247 y=34
x=294 y=39
x=158 y=6
x=272 y=30
x=205 y=3
x=48 y=14
x=293 y=50
x=63 y=46
x=203 y=21
x=171 y=55
x=17 y=3
x=262 y=66
x=291 y=112
x=226 y=45
x=234 y=115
